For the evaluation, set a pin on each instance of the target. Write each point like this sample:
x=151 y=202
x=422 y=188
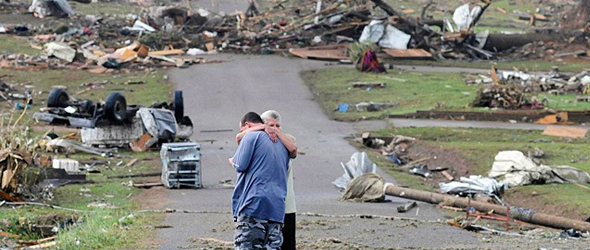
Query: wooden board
x=333 y=53
x=408 y=53
x=563 y=131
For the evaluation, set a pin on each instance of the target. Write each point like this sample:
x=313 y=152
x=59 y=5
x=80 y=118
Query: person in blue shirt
x=258 y=200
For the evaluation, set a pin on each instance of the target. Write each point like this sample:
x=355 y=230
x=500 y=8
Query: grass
x=424 y=91
x=525 y=66
x=411 y=91
x=16 y=45
x=155 y=87
x=95 y=228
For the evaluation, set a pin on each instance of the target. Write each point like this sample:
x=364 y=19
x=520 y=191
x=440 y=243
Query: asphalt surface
x=217 y=95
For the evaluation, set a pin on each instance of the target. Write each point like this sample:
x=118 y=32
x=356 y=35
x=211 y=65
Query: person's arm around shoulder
x=241 y=135
x=288 y=141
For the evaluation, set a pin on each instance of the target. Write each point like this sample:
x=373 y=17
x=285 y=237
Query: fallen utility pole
x=522 y=214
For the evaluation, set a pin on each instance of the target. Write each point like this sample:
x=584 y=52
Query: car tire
x=115 y=108
x=178 y=105
x=58 y=98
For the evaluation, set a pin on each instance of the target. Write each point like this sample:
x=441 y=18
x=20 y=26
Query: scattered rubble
x=163 y=36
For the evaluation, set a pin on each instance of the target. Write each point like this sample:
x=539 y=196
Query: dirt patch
x=536 y=203
x=452 y=160
x=439 y=159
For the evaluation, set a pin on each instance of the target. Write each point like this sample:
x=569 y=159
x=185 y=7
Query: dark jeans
x=289 y=232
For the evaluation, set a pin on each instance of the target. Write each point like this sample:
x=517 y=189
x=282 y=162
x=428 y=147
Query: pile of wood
x=509 y=96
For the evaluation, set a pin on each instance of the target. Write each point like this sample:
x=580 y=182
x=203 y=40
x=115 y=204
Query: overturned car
x=114 y=123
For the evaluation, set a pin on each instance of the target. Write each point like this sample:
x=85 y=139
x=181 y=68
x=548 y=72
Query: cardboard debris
x=559 y=118
x=562 y=131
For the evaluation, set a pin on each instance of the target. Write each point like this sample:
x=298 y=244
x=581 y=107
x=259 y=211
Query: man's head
x=250 y=119
x=272 y=118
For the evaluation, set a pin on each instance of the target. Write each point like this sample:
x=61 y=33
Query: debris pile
x=500 y=96
x=173 y=35
x=16 y=155
x=508 y=89
x=394 y=148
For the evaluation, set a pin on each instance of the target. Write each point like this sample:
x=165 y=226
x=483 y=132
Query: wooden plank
x=331 y=53
x=147 y=185
x=408 y=53
x=6 y=177
x=8 y=197
x=130 y=163
x=368 y=84
x=563 y=131
x=447 y=175
x=7 y=234
x=166 y=52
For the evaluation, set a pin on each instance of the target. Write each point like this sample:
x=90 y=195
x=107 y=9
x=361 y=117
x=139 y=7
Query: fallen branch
x=134 y=175
x=36 y=242
x=44 y=205
x=522 y=214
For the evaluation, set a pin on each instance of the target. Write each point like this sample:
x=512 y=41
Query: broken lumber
x=365 y=85
x=147 y=185
x=9 y=197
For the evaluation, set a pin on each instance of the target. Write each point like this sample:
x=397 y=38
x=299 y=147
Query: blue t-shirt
x=261 y=186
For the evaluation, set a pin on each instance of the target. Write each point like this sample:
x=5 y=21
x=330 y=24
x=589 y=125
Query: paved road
x=217 y=95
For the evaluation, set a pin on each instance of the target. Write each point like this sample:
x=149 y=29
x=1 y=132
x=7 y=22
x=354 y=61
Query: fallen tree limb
x=522 y=214
x=135 y=175
x=43 y=205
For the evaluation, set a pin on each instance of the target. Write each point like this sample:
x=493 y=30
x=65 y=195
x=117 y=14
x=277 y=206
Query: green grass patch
x=410 y=91
x=479 y=147
x=93 y=227
x=524 y=66
x=154 y=88
x=106 y=218
x=16 y=45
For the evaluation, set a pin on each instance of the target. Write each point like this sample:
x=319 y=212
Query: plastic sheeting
x=51 y=7
x=517 y=170
x=473 y=185
x=463 y=17
x=386 y=36
x=358 y=165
